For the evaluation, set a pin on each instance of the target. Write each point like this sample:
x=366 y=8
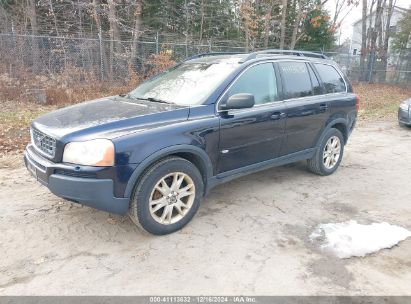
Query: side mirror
x=240 y=101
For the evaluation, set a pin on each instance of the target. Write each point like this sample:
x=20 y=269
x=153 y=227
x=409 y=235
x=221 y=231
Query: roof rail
x=290 y=52
x=211 y=54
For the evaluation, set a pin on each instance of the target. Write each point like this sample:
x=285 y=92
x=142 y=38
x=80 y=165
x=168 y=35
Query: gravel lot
x=250 y=236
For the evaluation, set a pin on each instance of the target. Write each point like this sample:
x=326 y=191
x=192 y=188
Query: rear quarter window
x=332 y=80
x=314 y=81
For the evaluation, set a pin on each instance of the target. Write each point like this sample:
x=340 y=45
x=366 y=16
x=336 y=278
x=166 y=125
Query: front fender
x=183 y=148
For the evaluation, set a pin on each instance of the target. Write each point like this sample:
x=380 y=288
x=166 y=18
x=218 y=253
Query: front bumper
x=93 y=192
x=404 y=116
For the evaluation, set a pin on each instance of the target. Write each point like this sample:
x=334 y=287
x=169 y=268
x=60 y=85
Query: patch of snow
x=349 y=239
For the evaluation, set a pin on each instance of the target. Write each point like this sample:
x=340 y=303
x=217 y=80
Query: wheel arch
x=194 y=154
x=342 y=127
x=340 y=124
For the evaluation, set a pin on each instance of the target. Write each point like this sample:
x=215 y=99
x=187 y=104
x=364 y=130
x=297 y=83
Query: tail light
x=357 y=103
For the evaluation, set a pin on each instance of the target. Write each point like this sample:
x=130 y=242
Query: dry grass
x=15 y=119
x=380 y=101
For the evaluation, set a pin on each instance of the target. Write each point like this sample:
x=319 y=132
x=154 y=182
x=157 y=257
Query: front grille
x=43 y=142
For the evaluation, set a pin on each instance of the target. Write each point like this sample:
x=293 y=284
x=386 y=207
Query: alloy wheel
x=172 y=198
x=331 y=153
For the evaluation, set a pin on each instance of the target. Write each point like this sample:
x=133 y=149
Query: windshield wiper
x=152 y=99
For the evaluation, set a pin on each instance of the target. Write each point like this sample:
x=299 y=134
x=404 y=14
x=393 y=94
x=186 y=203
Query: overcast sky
x=355 y=14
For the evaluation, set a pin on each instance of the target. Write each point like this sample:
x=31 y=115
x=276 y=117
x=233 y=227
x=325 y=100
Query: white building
x=397 y=14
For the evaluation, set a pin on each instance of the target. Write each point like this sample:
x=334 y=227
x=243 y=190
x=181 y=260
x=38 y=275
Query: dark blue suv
x=156 y=151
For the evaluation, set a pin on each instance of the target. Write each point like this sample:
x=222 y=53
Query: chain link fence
x=397 y=71
x=75 y=61
x=105 y=60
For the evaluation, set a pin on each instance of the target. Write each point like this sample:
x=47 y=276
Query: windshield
x=187 y=84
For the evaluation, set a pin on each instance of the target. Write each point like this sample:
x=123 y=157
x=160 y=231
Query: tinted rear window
x=296 y=79
x=333 y=82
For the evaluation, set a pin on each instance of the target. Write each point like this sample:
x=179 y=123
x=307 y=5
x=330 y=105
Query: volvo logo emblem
x=39 y=137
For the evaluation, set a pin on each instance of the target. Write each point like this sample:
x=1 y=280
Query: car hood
x=108 y=117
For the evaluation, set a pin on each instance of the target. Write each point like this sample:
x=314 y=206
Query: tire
x=318 y=164
x=156 y=185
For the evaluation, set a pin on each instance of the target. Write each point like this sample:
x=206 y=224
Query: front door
x=250 y=136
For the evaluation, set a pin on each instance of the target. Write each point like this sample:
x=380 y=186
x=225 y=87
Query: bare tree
x=137 y=29
x=31 y=7
x=380 y=29
x=186 y=24
x=342 y=8
x=96 y=17
x=249 y=22
x=363 y=39
x=297 y=21
x=267 y=21
x=283 y=23
x=373 y=40
x=384 y=50
x=370 y=20
x=201 y=21
x=114 y=33
x=50 y=3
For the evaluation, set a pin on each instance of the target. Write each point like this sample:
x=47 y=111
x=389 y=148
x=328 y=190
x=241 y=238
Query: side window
x=332 y=80
x=259 y=80
x=314 y=81
x=296 y=79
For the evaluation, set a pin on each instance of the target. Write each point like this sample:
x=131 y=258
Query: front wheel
x=167 y=196
x=329 y=153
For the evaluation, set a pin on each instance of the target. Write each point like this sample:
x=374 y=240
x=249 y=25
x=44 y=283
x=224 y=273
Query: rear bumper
x=404 y=117
x=93 y=192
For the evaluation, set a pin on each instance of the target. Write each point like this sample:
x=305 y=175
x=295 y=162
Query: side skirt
x=275 y=162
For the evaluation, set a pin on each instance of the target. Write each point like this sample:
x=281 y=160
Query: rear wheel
x=167 y=196
x=329 y=154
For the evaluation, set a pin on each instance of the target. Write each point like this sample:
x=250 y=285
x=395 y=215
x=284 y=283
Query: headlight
x=404 y=106
x=97 y=152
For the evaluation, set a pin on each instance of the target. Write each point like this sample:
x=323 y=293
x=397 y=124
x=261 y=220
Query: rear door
x=307 y=110
x=341 y=101
x=250 y=136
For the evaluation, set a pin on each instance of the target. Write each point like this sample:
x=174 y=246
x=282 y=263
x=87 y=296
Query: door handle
x=307 y=113
x=323 y=107
x=278 y=115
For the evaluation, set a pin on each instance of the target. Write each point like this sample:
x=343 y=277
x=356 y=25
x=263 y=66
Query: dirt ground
x=250 y=236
